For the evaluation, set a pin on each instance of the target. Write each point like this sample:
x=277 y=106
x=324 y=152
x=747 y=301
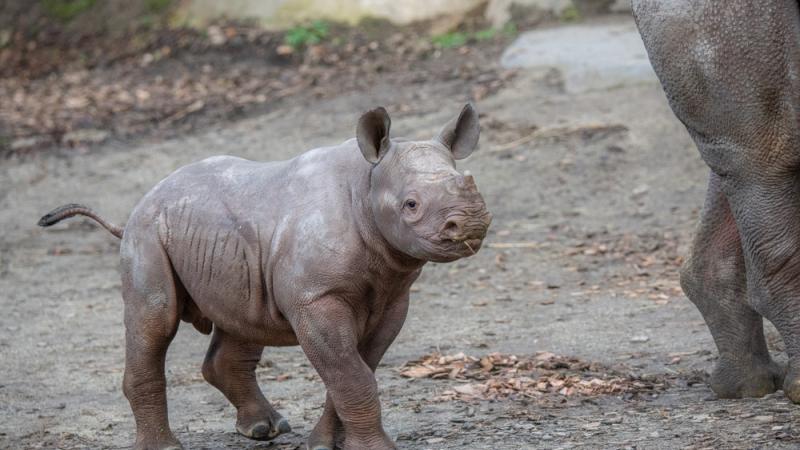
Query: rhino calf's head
x=422 y=206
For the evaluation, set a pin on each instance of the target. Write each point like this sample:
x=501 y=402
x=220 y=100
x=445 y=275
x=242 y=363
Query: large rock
x=284 y=13
x=499 y=12
x=589 y=56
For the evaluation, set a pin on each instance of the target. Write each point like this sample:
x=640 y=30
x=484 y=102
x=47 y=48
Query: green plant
x=157 y=6
x=570 y=14
x=5 y=143
x=305 y=35
x=5 y=37
x=459 y=38
x=66 y=10
x=148 y=21
x=510 y=29
x=485 y=35
x=450 y=40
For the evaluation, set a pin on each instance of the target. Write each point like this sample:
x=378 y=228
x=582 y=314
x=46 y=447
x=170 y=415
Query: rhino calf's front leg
x=326 y=330
x=329 y=431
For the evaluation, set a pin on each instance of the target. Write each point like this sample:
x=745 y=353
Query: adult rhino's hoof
x=263 y=430
x=740 y=380
x=791 y=386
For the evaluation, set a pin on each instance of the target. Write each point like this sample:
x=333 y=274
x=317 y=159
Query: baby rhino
x=320 y=251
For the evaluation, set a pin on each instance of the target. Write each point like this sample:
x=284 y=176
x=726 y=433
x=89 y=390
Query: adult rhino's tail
x=73 y=209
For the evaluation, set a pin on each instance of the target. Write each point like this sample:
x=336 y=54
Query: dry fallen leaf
x=497 y=376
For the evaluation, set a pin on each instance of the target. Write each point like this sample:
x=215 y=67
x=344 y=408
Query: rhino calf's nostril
x=451 y=228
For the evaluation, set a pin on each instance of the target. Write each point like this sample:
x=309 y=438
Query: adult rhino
x=731 y=71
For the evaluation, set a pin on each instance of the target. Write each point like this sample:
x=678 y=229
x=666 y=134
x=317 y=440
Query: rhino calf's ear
x=372 y=134
x=461 y=134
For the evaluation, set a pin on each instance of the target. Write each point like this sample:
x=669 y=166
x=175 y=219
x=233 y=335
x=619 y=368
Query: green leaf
x=66 y=10
x=450 y=40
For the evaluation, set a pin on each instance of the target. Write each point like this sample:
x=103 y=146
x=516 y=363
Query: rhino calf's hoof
x=263 y=430
x=170 y=445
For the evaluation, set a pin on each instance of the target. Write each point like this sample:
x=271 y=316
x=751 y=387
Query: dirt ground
x=594 y=196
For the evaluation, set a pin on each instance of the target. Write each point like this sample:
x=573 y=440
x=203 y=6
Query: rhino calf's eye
x=411 y=204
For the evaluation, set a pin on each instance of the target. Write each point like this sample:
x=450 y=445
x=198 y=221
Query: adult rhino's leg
x=230 y=366
x=713 y=278
x=767 y=211
x=733 y=82
x=151 y=321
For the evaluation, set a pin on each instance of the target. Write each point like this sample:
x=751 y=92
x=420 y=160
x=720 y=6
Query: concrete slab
x=593 y=56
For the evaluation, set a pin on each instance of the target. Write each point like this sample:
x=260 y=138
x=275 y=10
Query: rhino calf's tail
x=74 y=209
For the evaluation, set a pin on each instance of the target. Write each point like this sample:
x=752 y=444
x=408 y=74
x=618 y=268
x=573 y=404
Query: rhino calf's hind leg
x=151 y=321
x=230 y=366
x=713 y=278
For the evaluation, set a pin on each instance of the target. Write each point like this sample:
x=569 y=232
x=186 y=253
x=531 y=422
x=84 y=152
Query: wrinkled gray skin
x=319 y=251
x=730 y=71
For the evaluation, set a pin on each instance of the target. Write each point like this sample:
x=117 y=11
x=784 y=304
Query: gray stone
x=589 y=56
